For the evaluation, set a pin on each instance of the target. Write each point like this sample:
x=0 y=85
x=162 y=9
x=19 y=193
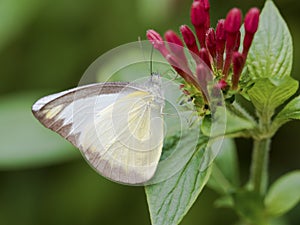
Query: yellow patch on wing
x=139 y=118
x=50 y=113
x=136 y=94
x=127 y=143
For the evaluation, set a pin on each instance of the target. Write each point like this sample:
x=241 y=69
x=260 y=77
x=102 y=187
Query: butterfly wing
x=118 y=128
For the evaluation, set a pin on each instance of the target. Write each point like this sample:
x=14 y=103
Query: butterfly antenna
x=141 y=46
x=151 y=61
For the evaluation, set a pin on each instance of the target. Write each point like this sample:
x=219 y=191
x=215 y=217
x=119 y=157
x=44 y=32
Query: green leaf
x=269 y=93
x=171 y=199
x=249 y=206
x=24 y=142
x=271 y=53
x=225 y=201
x=290 y=112
x=279 y=221
x=235 y=124
x=284 y=194
x=225 y=178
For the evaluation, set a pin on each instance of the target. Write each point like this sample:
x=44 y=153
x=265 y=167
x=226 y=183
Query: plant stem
x=259 y=166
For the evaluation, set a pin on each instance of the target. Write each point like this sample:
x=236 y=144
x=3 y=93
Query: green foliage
x=225 y=177
x=290 y=112
x=235 y=125
x=171 y=199
x=284 y=194
x=177 y=152
x=269 y=93
x=250 y=206
x=271 y=53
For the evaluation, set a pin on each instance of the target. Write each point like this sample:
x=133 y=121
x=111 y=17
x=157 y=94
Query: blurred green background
x=45 y=47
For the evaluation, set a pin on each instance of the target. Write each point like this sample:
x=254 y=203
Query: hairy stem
x=259 y=166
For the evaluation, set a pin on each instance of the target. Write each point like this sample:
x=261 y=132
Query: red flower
x=218 y=48
x=232 y=26
x=251 y=25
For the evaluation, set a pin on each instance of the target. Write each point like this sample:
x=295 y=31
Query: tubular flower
x=211 y=42
x=217 y=48
x=232 y=26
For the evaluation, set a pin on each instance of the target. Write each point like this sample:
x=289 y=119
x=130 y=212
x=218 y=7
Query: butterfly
x=117 y=126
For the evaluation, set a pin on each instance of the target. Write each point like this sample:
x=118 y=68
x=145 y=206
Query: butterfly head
x=155 y=78
x=155 y=82
x=154 y=86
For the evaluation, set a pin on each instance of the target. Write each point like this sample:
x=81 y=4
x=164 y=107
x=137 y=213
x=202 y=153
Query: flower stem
x=259 y=166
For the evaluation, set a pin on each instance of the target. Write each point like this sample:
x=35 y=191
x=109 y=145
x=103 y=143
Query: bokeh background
x=45 y=47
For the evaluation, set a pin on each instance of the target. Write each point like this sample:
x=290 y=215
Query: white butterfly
x=117 y=126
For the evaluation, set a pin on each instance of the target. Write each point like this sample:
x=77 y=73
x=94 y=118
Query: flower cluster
x=218 y=48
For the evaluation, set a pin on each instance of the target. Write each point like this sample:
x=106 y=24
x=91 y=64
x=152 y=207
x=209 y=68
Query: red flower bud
x=175 y=45
x=251 y=26
x=188 y=35
x=204 y=3
x=211 y=42
x=182 y=70
x=220 y=43
x=203 y=77
x=181 y=86
x=237 y=42
x=157 y=42
x=222 y=84
x=175 y=64
x=220 y=30
x=233 y=20
x=247 y=43
x=199 y=20
x=205 y=57
x=172 y=37
x=230 y=44
x=238 y=62
x=154 y=37
x=232 y=26
x=173 y=61
x=184 y=91
x=198 y=16
x=201 y=73
x=189 y=39
x=251 y=20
